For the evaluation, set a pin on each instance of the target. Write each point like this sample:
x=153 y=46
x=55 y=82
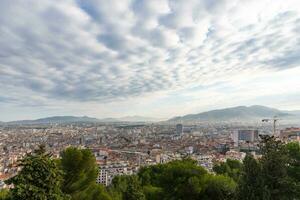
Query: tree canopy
x=4 y=194
x=274 y=175
x=186 y=180
x=80 y=173
x=231 y=168
x=39 y=179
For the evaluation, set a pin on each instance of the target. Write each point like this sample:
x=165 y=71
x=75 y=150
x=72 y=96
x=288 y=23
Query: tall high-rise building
x=179 y=129
x=248 y=135
x=244 y=135
x=82 y=140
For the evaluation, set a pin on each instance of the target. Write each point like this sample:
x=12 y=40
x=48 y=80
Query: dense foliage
x=4 y=194
x=39 y=179
x=80 y=172
x=231 y=168
x=275 y=175
x=250 y=182
x=176 y=180
x=127 y=188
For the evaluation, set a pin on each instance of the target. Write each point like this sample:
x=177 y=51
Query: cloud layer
x=95 y=52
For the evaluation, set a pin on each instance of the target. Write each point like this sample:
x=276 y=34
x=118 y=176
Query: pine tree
x=274 y=162
x=80 y=173
x=250 y=184
x=39 y=179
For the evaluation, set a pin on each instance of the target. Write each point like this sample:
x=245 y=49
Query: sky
x=155 y=58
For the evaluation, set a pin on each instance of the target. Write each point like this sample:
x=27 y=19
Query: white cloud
x=110 y=53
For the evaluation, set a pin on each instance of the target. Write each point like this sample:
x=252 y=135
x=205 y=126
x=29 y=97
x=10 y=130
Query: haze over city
x=150 y=58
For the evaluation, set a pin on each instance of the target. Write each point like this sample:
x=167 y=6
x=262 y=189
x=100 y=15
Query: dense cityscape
x=121 y=149
x=149 y=100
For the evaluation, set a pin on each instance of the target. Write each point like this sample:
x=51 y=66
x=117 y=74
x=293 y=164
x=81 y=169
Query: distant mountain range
x=294 y=112
x=134 y=118
x=239 y=113
x=56 y=119
x=234 y=114
x=74 y=119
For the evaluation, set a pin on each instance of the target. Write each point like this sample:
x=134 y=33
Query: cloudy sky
x=158 y=58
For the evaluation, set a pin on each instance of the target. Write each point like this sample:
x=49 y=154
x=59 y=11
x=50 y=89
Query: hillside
x=239 y=113
x=56 y=119
x=136 y=118
x=73 y=119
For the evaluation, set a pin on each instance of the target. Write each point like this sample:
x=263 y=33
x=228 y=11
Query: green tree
x=152 y=192
x=118 y=187
x=184 y=180
x=39 y=179
x=274 y=165
x=80 y=173
x=94 y=192
x=231 y=168
x=293 y=150
x=178 y=179
x=293 y=170
x=134 y=190
x=217 y=187
x=4 y=194
x=250 y=184
x=127 y=188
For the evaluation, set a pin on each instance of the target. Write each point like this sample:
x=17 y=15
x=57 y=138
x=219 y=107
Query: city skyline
x=150 y=58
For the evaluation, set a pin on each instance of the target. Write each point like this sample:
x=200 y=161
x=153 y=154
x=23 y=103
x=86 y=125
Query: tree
x=274 y=175
x=274 y=170
x=39 y=179
x=152 y=192
x=94 y=192
x=250 y=183
x=80 y=172
x=184 y=180
x=293 y=170
x=217 y=187
x=178 y=179
x=127 y=188
x=80 y=169
x=118 y=187
x=134 y=190
x=293 y=150
x=4 y=194
x=231 y=168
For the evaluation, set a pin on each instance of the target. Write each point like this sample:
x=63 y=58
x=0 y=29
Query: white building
x=109 y=171
x=102 y=177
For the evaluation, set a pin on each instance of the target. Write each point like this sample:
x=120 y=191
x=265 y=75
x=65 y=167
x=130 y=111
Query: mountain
x=109 y=120
x=293 y=112
x=56 y=119
x=136 y=118
x=240 y=113
x=234 y=114
x=73 y=119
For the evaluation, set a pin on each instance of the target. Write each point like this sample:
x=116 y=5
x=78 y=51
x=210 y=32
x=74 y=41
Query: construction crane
x=274 y=120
